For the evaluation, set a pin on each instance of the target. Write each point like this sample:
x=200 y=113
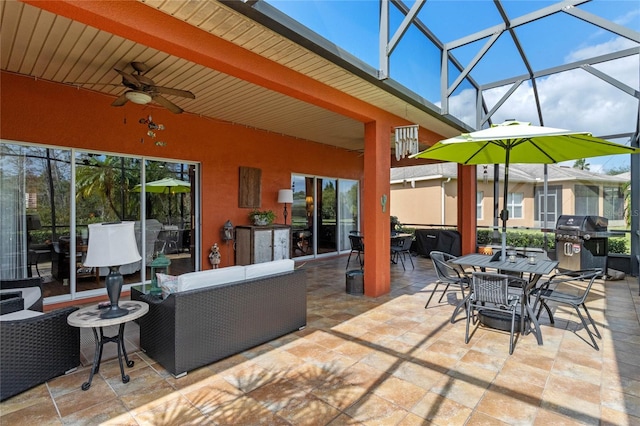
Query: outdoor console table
x=521 y=266
x=90 y=317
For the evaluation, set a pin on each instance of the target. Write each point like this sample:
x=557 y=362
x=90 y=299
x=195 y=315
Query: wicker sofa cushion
x=268 y=268
x=210 y=277
x=20 y=315
x=31 y=295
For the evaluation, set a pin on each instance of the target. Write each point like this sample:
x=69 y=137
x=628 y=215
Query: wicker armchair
x=36 y=349
x=24 y=285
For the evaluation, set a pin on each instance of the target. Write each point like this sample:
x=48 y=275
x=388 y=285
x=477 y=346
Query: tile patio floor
x=383 y=361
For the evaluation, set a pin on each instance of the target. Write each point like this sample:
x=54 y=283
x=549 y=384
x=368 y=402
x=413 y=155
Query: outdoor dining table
x=521 y=265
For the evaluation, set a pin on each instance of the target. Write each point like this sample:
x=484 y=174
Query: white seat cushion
x=268 y=268
x=200 y=279
x=24 y=314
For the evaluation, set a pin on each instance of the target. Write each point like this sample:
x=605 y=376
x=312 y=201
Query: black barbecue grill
x=582 y=242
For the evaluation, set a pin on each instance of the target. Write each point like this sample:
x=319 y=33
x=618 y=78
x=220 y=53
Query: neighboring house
x=426 y=194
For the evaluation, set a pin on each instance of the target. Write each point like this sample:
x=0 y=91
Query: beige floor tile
x=481 y=419
x=373 y=410
x=308 y=410
x=99 y=393
x=175 y=411
x=39 y=411
x=363 y=361
x=399 y=392
x=244 y=411
x=441 y=411
x=509 y=407
x=38 y=395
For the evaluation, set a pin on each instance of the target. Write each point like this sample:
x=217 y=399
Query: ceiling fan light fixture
x=138 y=97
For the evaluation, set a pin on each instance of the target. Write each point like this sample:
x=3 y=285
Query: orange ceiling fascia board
x=145 y=25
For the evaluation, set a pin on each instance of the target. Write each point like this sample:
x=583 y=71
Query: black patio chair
x=448 y=274
x=490 y=292
x=357 y=246
x=401 y=250
x=569 y=288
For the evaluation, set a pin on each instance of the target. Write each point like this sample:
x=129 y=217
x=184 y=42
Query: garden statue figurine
x=214 y=256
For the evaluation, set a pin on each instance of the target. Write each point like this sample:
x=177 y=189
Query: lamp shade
x=285 y=196
x=111 y=244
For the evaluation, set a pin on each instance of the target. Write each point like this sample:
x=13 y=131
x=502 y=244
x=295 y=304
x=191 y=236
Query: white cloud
x=574 y=100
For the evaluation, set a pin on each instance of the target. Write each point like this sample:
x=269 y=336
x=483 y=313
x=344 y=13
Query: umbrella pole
x=504 y=214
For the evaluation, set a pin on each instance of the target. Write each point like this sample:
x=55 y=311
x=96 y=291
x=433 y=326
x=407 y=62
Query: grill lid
x=582 y=223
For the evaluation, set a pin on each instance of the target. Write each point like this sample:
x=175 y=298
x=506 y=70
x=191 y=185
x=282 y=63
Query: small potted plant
x=262 y=217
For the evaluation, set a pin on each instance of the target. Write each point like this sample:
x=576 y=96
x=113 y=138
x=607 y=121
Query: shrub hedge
x=529 y=239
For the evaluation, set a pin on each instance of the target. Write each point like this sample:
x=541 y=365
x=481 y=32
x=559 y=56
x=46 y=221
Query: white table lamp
x=112 y=245
x=285 y=196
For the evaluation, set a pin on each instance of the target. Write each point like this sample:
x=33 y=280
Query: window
x=554 y=205
x=479 y=199
x=613 y=199
x=586 y=200
x=514 y=205
x=45 y=234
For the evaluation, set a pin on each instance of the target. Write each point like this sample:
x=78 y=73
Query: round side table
x=90 y=317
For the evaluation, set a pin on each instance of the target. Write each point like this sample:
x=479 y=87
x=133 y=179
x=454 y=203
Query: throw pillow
x=167 y=283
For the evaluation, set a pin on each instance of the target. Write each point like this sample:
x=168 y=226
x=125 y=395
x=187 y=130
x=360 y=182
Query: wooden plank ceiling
x=45 y=46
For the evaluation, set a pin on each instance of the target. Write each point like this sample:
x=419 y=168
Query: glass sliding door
x=104 y=186
x=35 y=201
x=48 y=197
x=169 y=197
x=347 y=211
x=323 y=212
x=327 y=215
x=302 y=216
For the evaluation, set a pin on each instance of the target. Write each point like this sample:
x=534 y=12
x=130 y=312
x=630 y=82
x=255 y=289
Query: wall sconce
x=227 y=231
x=285 y=196
x=112 y=245
x=227 y=236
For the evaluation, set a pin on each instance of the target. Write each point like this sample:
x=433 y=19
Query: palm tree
x=106 y=177
x=581 y=164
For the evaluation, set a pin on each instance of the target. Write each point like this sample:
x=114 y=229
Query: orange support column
x=467 y=223
x=375 y=208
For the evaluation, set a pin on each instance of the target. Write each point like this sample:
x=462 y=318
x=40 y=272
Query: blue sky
x=604 y=110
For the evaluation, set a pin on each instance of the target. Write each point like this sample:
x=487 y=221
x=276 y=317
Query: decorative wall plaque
x=250 y=189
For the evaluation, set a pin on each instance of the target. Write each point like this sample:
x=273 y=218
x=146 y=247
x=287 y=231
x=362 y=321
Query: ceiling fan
x=143 y=90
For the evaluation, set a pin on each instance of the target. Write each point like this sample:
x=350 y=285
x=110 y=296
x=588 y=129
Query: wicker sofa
x=195 y=327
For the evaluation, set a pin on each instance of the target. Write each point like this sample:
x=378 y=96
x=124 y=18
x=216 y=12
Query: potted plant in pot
x=262 y=217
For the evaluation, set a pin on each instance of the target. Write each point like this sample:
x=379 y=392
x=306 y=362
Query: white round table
x=90 y=317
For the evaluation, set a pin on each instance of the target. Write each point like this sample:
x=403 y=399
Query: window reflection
x=39 y=237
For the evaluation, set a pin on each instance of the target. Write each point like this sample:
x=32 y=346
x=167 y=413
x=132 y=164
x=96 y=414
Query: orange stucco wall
x=54 y=114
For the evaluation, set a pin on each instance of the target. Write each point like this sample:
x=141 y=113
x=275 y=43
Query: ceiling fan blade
x=167 y=104
x=174 y=92
x=83 y=83
x=128 y=78
x=121 y=100
x=140 y=67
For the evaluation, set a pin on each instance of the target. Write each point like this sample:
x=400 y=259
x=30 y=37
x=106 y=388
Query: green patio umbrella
x=520 y=142
x=167 y=186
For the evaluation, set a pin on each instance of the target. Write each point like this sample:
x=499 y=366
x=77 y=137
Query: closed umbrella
x=520 y=142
